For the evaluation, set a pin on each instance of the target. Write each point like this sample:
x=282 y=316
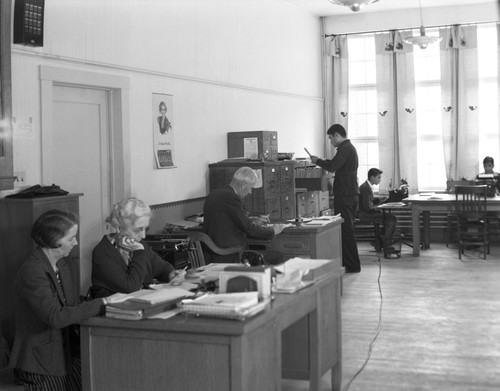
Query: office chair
x=196 y=255
x=471 y=218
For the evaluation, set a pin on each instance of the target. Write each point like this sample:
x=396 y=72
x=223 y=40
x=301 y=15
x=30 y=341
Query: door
x=81 y=153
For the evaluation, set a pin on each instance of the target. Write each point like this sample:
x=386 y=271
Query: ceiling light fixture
x=354 y=5
x=422 y=40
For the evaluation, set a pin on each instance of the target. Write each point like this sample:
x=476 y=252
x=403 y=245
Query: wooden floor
x=439 y=328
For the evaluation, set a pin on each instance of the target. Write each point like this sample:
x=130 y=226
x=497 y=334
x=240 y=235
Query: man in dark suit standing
x=345 y=191
x=228 y=224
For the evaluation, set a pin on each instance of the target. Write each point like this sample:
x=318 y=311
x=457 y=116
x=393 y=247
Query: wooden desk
x=427 y=204
x=308 y=241
x=298 y=337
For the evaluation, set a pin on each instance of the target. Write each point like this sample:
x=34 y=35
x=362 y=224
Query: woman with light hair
x=121 y=262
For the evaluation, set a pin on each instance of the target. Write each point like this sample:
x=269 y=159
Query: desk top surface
x=441 y=198
x=303 y=299
x=317 y=224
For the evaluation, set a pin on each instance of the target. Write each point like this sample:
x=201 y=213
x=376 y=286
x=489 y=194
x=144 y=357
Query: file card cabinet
x=276 y=197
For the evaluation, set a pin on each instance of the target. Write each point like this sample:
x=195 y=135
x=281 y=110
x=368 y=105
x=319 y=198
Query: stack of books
x=146 y=303
x=238 y=305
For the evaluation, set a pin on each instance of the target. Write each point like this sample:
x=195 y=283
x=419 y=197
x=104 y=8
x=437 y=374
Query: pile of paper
x=238 y=305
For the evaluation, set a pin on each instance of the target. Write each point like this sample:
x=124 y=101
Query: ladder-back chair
x=196 y=255
x=472 y=219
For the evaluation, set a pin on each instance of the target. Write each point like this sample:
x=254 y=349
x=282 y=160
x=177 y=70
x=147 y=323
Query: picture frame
x=163 y=130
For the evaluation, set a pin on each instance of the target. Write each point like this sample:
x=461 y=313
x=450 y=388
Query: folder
x=146 y=305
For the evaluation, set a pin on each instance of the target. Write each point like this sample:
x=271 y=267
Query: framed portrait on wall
x=163 y=130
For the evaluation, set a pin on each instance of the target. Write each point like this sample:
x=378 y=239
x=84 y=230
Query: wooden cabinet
x=306 y=241
x=6 y=148
x=276 y=197
x=16 y=220
x=321 y=242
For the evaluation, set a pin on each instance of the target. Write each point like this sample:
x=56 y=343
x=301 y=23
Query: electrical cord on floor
x=370 y=347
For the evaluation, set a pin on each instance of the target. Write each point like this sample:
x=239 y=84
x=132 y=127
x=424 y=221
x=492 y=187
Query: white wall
x=231 y=65
x=404 y=19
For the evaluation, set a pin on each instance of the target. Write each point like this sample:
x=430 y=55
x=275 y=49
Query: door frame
x=119 y=140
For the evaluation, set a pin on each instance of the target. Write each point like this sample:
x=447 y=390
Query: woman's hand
x=115 y=298
x=176 y=277
x=129 y=244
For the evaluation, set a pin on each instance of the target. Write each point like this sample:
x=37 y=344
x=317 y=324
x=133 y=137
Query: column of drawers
x=276 y=197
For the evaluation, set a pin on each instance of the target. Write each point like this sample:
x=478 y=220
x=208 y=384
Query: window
x=363 y=126
x=363 y=117
x=489 y=141
x=430 y=154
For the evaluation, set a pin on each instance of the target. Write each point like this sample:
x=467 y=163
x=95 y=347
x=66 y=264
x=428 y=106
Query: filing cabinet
x=260 y=144
x=275 y=197
x=312 y=203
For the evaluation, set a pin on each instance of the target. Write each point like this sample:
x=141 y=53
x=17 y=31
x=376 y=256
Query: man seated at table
x=368 y=213
x=494 y=180
x=228 y=224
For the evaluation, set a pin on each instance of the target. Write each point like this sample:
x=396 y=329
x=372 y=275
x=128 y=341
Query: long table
x=426 y=204
x=298 y=337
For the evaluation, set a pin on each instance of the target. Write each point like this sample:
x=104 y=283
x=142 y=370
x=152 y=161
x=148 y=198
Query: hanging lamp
x=353 y=5
x=422 y=40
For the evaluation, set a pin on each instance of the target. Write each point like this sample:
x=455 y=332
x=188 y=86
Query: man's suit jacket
x=345 y=166
x=366 y=199
x=44 y=311
x=227 y=223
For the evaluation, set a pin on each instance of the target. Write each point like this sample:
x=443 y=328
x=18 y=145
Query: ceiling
x=325 y=8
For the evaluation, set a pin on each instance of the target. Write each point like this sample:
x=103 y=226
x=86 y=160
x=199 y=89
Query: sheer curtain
x=459 y=98
x=337 y=85
x=498 y=73
x=397 y=131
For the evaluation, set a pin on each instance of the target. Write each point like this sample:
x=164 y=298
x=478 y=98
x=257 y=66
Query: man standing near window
x=345 y=191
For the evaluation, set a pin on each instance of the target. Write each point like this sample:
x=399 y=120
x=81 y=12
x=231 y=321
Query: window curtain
x=397 y=130
x=459 y=98
x=337 y=86
x=498 y=75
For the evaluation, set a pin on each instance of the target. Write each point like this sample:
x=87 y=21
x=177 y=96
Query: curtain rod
x=410 y=28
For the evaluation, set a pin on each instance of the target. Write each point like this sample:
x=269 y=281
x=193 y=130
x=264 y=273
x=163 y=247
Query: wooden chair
x=196 y=255
x=369 y=231
x=471 y=218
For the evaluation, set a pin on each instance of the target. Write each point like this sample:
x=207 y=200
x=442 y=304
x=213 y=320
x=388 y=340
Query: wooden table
x=425 y=204
x=298 y=337
x=307 y=241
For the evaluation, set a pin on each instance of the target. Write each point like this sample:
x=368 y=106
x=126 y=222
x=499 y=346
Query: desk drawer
x=299 y=245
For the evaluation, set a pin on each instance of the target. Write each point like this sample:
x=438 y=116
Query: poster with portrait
x=163 y=130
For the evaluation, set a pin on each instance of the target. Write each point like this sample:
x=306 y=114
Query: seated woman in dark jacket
x=121 y=262
x=44 y=355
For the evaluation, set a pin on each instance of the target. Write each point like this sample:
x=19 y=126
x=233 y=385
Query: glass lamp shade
x=422 y=40
x=354 y=5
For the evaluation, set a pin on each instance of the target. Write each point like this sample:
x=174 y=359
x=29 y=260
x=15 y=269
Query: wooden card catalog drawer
x=298 y=244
